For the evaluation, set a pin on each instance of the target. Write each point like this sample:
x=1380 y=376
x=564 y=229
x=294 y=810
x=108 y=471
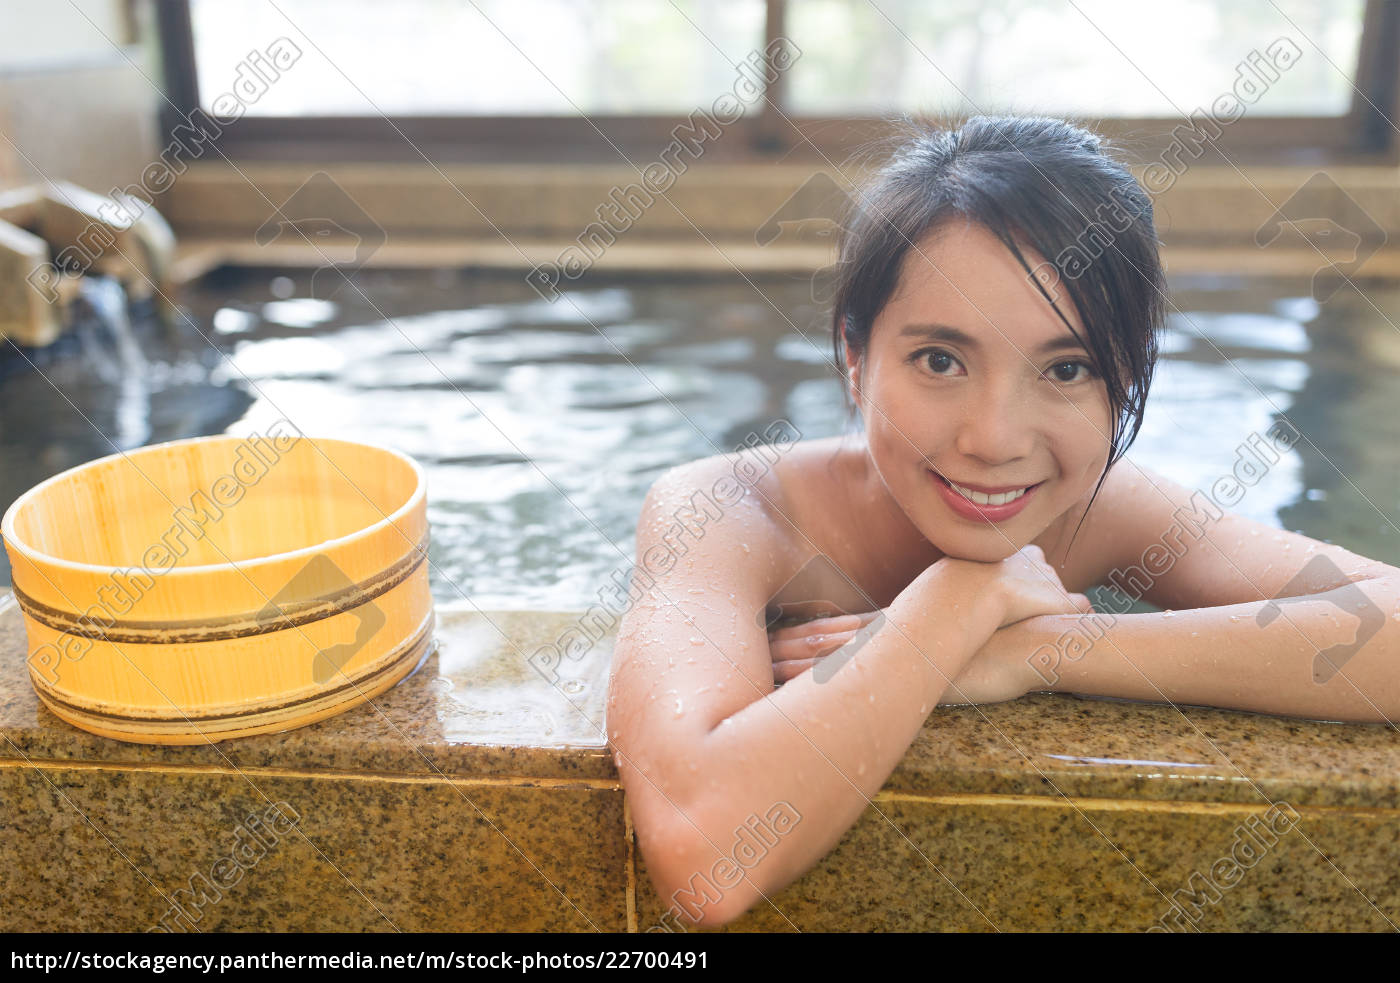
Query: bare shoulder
x=1180 y=547
x=692 y=649
x=754 y=485
x=712 y=547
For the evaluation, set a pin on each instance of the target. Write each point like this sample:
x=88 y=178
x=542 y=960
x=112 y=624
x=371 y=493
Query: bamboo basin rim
x=7 y=523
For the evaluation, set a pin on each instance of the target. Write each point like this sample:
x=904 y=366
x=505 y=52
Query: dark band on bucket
x=290 y=615
x=344 y=696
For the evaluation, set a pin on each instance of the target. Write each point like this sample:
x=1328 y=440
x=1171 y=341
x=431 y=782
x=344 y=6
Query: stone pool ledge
x=476 y=796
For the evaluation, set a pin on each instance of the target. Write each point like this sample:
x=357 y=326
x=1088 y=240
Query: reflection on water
x=542 y=425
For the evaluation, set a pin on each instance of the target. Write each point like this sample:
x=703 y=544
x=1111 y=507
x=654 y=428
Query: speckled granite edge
x=476 y=709
x=1051 y=744
x=136 y=850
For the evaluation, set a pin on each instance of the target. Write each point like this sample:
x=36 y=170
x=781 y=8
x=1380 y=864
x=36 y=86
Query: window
x=1087 y=58
x=1286 y=81
x=486 y=57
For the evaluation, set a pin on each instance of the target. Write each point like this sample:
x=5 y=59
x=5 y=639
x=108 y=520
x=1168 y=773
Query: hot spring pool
x=541 y=426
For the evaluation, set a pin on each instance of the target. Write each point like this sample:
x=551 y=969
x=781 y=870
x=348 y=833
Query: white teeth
x=981 y=499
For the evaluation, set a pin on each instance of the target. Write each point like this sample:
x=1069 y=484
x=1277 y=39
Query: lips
x=980 y=512
x=992 y=496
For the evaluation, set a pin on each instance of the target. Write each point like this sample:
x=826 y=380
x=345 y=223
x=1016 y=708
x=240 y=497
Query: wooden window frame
x=1365 y=135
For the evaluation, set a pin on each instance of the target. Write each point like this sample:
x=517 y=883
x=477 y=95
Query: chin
x=986 y=552
x=988 y=545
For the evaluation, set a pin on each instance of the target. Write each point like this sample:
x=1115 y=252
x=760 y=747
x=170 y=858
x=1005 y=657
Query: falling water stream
x=123 y=367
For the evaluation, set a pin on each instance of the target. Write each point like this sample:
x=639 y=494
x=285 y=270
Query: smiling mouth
x=983 y=498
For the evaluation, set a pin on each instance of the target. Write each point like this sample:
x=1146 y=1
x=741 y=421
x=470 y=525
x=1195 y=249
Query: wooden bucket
x=222 y=586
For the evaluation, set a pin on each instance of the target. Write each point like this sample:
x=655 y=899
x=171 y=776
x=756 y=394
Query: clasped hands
x=998 y=671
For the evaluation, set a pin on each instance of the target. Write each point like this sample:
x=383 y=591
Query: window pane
x=1083 y=58
x=39 y=35
x=489 y=57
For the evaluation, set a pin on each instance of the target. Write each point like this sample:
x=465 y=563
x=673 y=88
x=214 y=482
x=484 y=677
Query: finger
x=1080 y=604
x=806 y=610
x=783 y=671
x=809 y=647
x=818 y=626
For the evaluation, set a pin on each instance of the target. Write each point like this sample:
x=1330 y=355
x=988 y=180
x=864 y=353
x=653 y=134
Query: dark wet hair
x=1031 y=181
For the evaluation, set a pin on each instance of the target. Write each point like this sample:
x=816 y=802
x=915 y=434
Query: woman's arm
x=1333 y=655
x=737 y=789
x=1257 y=618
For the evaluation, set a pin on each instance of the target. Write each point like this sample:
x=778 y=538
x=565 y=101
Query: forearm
x=1230 y=656
x=823 y=745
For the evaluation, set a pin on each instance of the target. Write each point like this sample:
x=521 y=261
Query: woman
x=998 y=299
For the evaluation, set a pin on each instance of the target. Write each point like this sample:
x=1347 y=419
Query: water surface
x=541 y=425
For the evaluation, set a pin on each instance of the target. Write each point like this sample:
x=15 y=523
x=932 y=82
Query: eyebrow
x=944 y=332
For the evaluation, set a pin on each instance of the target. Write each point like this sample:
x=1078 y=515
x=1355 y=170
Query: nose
x=997 y=424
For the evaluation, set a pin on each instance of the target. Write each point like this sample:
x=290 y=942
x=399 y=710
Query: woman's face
x=970 y=374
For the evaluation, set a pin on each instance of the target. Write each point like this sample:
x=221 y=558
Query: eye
x=937 y=359
x=1072 y=365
